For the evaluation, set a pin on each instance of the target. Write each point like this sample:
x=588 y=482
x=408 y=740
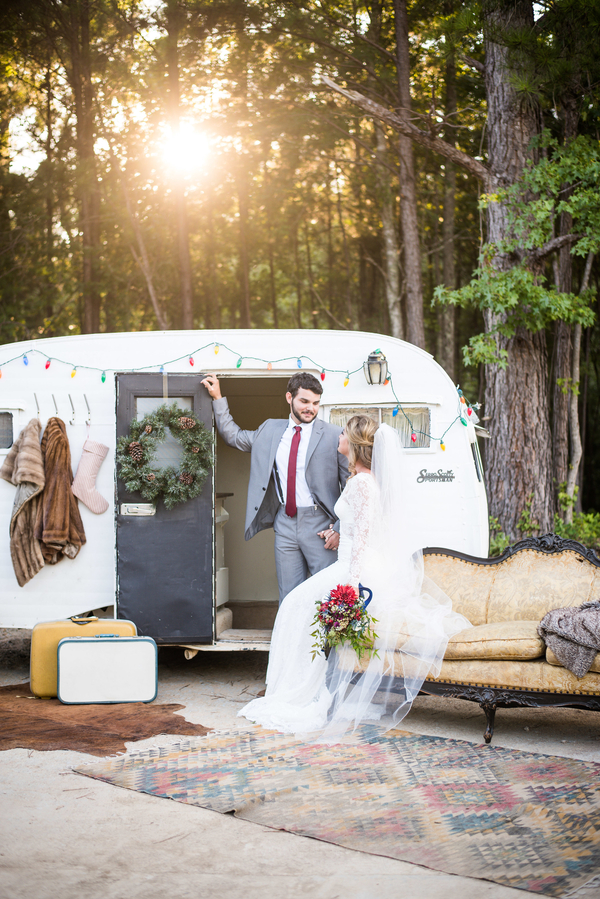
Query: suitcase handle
x=76 y=619
x=102 y=636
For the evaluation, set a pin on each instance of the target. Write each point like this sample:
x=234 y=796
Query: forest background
x=427 y=169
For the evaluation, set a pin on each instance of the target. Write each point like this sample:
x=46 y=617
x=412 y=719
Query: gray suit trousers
x=299 y=552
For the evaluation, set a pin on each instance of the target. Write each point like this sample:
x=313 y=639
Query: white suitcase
x=107 y=668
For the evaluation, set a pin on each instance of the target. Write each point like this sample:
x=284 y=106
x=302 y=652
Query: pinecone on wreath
x=195 y=449
x=148 y=429
x=187 y=479
x=150 y=477
x=135 y=451
x=186 y=422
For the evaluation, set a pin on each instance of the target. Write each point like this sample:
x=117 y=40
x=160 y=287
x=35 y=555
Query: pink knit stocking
x=84 y=485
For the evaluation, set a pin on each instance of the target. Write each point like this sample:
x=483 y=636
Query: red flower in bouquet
x=342 y=617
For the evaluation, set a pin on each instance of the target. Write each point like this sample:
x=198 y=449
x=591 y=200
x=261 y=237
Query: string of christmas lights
x=465 y=409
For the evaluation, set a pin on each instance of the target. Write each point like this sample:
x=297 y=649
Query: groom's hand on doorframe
x=211 y=382
x=331 y=537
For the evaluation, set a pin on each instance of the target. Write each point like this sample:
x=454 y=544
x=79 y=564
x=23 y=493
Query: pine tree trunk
x=389 y=238
x=415 y=327
x=447 y=315
x=518 y=454
x=89 y=193
x=563 y=333
x=174 y=20
x=245 y=318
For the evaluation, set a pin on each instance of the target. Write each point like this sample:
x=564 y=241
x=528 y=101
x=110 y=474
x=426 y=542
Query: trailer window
x=417 y=421
x=169 y=453
x=6 y=430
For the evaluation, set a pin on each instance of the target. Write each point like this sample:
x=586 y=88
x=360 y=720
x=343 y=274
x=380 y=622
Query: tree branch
x=476 y=168
x=473 y=64
x=536 y=255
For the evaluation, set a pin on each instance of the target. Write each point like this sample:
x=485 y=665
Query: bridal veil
x=414 y=618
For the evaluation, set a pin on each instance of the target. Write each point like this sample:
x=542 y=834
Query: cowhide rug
x=28 y=722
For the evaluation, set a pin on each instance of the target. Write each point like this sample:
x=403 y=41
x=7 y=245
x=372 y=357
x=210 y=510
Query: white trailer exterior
x=446 y=498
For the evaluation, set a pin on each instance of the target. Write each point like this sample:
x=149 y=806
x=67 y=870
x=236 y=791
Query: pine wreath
x=136 y=452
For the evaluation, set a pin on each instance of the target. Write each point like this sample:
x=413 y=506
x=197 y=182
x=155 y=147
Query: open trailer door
x=165 y=558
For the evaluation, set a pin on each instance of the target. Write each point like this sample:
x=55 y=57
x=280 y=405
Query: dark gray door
x=165 y=561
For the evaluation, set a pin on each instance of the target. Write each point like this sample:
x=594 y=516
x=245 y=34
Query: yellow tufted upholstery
x=532 y=675
x=499 y=640
x=505 y=602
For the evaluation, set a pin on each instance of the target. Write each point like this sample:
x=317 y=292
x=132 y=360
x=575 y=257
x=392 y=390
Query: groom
x=296 y=477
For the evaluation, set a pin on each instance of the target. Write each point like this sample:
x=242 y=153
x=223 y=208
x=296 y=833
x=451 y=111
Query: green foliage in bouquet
x=342 y=618
x=136 y=456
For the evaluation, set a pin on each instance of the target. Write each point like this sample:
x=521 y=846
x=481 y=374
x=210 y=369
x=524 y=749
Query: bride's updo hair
x=360 y=431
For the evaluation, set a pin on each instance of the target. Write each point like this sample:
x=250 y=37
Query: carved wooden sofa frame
x=493 y=696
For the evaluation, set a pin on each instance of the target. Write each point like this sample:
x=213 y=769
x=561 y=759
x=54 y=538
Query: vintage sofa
x=501 y=661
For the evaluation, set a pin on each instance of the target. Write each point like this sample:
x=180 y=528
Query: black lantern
x=375 y=368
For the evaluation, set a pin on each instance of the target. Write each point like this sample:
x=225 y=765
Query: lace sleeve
x=361 y=497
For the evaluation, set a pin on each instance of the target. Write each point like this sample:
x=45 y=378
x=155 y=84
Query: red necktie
x=290 y=501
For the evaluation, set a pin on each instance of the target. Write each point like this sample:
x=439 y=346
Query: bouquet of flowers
x=342 y=617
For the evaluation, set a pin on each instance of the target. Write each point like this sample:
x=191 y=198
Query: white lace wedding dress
x=306 y=696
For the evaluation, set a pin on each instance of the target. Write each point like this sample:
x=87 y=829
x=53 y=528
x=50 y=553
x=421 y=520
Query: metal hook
x=89 y=418
x=55 y=406
x=72 y=422
x=37 y=405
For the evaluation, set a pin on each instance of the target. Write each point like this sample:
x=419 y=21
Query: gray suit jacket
x=326 y=468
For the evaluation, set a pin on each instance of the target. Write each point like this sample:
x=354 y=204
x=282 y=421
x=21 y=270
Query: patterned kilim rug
x=517 y=818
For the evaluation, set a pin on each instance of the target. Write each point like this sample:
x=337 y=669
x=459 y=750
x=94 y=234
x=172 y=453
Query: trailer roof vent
x=6 y=430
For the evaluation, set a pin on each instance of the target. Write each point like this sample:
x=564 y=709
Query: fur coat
x=24 y=467
x=58 y=525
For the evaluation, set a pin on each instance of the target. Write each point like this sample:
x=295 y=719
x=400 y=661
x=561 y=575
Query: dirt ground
x=63 y=836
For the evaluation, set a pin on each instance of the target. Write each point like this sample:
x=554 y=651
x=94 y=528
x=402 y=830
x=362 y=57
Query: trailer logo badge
x=438 y=475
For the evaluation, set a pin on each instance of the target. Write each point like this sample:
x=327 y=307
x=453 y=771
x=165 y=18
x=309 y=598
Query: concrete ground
x=64 y=836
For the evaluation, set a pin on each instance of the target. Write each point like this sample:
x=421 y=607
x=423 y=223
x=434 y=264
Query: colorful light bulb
x=25 y=360
x=469 y=411
x=47 y=366
x=269 y=366
x=346 y=380
x=162 y=369
x=299 y=363
x=395 y=412
x=442 y=445
x=216 y=348
x=463 y=421
x=238 y=364
x=191 y=361
x=73 y=372
x=103 y=378
x=323 y=375
x=413 y=437
x=462 y=399
x=387 y=381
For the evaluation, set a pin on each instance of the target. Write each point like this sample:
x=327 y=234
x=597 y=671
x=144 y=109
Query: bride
x=414 y=619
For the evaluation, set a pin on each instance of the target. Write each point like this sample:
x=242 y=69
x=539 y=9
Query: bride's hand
x=331 y=537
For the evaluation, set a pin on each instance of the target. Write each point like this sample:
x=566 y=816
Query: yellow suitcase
x=46 y=636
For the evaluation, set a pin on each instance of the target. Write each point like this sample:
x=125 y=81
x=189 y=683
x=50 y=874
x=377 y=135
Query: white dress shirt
x=282 y=458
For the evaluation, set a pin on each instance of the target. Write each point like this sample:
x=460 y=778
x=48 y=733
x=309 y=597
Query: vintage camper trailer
x=186 y=576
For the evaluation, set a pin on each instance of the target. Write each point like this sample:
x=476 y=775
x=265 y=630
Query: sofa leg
x=490 y=713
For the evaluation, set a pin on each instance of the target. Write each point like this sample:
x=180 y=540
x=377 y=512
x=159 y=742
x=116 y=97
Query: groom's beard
x=303 y=415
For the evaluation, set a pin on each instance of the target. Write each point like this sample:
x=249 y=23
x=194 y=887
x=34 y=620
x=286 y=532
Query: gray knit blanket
x=573 y=635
